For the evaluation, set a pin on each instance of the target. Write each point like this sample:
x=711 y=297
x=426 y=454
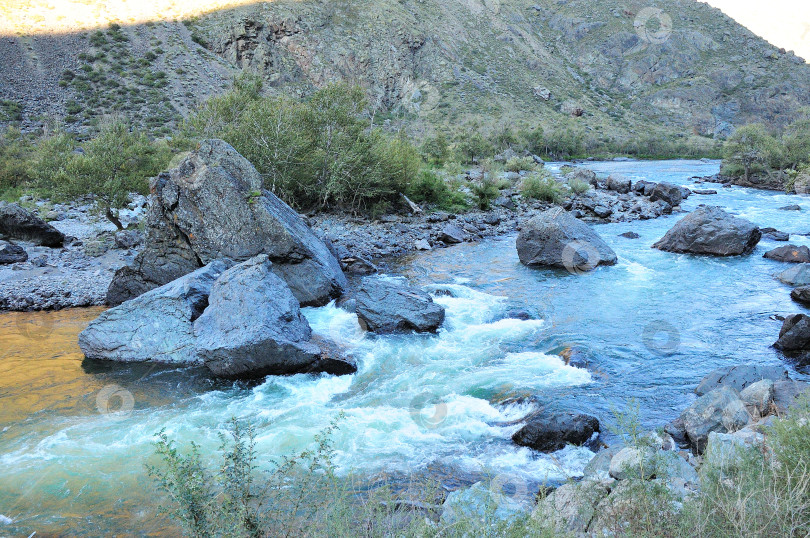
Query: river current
x=75 y=436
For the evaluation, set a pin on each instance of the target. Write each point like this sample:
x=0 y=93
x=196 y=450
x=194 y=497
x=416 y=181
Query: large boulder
x=388 y=307
x=720 y=410
x=156 y=326
x=789 y=254
x=798 y=275
x=548 y=433
x=739 y=377
x=571 y=507
x=710 y=230
x=671 y=194
x=556 y=239
x=19 y=223
x=11 y=253
x=253 y=325
x=795 y=334
x=212 y=206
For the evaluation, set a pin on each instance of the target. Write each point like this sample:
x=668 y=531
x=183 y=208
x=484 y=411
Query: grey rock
x=798 y=275
x=795 y=334
x=720 y=410
x=572 y=507
x=602 y=212
x=253 y=325
x=451 y=234
x=583 y=174
x=758 y=397
x=671 y=194
x=551 y=432
x=599 y=466
x=789 y=254
x=156 y=326
x=774 y=235
x=740 y=376
x=724 y=450
x=213 y=206
x=11 y=253
x=128 y=239
x=792 y=207
x=386 y=307
x=556 y=239
x=710 y=230
x=618 y=183
x=633 y=462
x=422 y=244
x=479 y=502
x=801 y=295
x=629 y=235
x=704 y=192
x=19 y=223
x=785 y=394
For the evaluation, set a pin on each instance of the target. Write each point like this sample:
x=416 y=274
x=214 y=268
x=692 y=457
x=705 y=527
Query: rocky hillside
x=615 y=68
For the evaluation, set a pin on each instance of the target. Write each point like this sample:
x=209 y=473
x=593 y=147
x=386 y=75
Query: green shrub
x=436 y=150
x=15 y=167
x=313 y=154
x=114 y=164
x=10 y=110
x=752 y=149
x=578 y=186
x=485 y=192
x=430 y=188
x=517 y=164
x=541 y=186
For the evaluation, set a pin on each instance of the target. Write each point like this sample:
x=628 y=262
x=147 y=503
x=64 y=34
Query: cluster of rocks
x=618 y=199
x=223 y=275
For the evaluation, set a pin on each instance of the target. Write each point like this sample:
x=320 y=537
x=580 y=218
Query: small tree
x=750 y=147
x=114 y=164
x=796 y=141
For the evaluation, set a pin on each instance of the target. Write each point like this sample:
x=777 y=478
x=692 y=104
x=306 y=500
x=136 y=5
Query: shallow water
x=76 y=435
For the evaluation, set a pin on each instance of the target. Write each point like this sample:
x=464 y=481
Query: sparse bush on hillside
x=436 y=149
x=485 y=192
x=470 y=147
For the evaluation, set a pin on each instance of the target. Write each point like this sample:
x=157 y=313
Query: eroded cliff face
x=679 y=67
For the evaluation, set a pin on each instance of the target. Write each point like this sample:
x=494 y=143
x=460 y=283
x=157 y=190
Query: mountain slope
x=615 y=69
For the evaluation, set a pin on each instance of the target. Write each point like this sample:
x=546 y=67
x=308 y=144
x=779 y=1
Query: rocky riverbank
x=79 y=273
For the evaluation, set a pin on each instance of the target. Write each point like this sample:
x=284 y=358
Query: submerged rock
x=253 y=325
x=789 y=254
x=548 y=433
x=774 y=235
x=557 y=239
x=710 y=230
x=11 y=253
x=213 y=206
x=386 y=307
x=156 y=326
x=19 y=223
x=798 y=275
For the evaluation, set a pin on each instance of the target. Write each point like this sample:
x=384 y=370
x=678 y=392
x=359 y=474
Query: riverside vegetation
x=764 y=491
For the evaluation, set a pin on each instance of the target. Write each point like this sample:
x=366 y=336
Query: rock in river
x=795 y=334
x=212 y=206
x=798 y=275
x=156 y=326
x=710 y=230
x=548 y=433
x=253 y=325
x=720 y=410
x=739 y=377
x=801 y=295
x=387 y=307
x=671 y=194
x=556 y=239
x=789 y=254
x=19 y=223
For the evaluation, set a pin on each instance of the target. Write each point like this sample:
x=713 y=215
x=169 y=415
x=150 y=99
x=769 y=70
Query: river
x=75 y=436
